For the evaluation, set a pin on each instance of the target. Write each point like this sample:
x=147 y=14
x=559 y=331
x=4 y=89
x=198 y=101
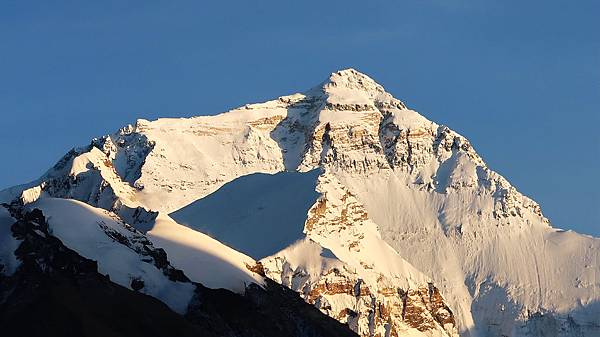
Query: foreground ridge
x=70 y=295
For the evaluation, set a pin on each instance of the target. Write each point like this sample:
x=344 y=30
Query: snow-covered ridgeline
x=122 y=253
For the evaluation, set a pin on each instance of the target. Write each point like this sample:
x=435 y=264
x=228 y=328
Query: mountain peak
x=349 y=86
x=348 y=73
x=350 y=78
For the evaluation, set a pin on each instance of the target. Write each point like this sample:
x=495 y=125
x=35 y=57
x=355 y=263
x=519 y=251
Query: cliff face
x=360 y=279
x=382 y=219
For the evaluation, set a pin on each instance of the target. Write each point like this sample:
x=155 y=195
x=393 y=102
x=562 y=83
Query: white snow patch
x=410 y=119
x=309 y=256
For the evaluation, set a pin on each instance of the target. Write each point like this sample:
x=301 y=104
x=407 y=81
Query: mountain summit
x=381 y=219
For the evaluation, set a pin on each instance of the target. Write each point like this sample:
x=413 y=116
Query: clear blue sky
x=520 y=79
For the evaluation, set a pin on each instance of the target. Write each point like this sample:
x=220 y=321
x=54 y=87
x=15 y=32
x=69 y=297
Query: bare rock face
x=384 y=311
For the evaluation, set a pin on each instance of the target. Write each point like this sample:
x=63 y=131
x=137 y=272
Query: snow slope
x=204 y=259
x=251 y=208
x=97 y=235
x=509 y=267
x=87 y=230
x=125 y=254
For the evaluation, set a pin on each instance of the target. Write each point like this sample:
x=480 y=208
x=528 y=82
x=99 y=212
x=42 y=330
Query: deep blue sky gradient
x=520 y=79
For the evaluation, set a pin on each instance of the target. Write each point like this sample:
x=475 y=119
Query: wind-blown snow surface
x=400 y=197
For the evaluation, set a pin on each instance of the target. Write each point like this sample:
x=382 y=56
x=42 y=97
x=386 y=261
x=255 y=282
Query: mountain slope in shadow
x=258 y=214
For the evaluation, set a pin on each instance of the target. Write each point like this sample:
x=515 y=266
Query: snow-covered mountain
x=375 y=215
